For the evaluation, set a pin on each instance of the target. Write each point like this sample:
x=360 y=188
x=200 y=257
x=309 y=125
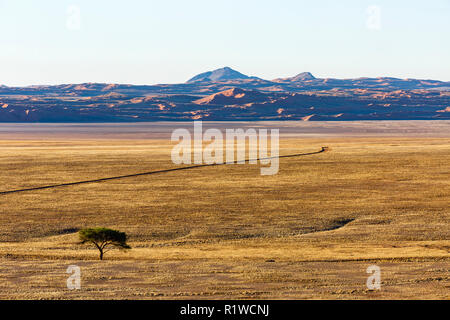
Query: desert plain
x=380 y=196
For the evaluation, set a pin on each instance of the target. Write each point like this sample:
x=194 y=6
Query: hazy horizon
x=160 y=83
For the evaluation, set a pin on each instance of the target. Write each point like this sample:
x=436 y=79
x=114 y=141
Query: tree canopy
x=103 y=237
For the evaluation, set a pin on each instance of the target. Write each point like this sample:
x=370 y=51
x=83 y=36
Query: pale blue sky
x=148 y=42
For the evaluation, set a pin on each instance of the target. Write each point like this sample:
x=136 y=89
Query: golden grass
x=227 y=232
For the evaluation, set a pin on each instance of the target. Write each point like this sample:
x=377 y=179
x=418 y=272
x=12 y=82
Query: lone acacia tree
x=103 y=237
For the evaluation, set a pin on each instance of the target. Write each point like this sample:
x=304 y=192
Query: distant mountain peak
x=222 y=74
x=303 y=76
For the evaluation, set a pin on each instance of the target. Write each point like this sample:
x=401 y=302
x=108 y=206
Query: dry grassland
x=227 y=232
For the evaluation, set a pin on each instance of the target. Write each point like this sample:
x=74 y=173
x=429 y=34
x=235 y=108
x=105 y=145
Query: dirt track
x=323 y=149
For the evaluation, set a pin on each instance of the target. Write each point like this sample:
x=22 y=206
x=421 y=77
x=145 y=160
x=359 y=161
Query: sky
x=170 y=41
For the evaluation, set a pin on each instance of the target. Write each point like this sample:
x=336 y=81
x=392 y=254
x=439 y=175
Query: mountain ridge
x=225 y=73
x=229 y=75
x=232 y=96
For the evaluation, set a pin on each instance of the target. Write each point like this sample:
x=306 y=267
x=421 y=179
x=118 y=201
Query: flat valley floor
x=380 y=196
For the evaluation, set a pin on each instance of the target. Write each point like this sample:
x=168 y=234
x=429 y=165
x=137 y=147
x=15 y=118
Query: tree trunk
x=101 y=254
